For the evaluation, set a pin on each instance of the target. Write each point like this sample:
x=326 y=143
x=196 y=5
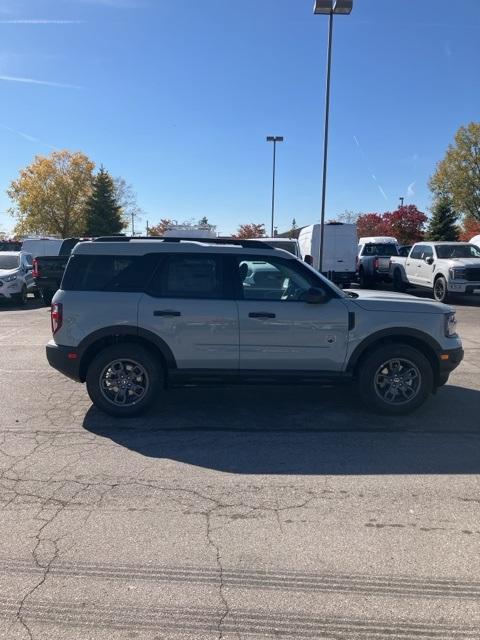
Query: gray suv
x=134 y=317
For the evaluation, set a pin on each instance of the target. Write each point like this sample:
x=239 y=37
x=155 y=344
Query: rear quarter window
x=108 y=273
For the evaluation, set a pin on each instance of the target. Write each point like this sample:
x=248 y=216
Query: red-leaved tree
x=251 y=230
x=406 y=224
x=470 y=228
x=371 y=224
x=160 y=228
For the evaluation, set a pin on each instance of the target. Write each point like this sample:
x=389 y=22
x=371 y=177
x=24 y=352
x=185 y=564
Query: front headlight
x=457 y=273
x=9 y=278
x=451 y=325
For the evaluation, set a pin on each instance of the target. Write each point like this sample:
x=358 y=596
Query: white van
x=287 y=244
x=340 y=250
x=42 y=246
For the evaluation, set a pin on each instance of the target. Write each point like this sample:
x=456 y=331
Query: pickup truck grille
x=472 y=274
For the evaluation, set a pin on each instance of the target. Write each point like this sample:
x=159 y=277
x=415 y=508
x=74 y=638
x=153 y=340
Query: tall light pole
x=330 y=8
x=274 y=139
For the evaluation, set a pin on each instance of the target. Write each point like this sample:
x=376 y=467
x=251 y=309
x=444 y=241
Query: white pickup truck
x=446 y=268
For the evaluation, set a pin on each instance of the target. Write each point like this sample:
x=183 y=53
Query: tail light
x=36 y=269
x=56 y=316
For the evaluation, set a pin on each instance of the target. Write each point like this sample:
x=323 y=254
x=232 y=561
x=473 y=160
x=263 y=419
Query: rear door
x=187 y=305
x=278 y=331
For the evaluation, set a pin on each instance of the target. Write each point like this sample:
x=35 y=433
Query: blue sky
x=177 y=97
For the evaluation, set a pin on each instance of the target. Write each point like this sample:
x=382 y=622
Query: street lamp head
x=332 y=6
x=274 y=138
x=343 y=6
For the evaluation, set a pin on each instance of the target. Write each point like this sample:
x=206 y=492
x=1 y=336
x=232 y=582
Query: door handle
x=261 y=314
x=166 y=313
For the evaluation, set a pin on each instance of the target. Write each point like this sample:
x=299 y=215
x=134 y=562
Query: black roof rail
x=247 y=244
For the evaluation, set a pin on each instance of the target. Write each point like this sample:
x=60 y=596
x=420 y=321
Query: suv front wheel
x=395 y=379
x=124 y=379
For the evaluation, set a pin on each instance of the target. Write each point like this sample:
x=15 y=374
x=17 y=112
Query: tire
x=47 y=296
x=115 y=363
x=363 y=281
x=398 y=283
x=36 y=294
x=22 y=297
x=440 y=290
x=381 y=387
x=442 y=379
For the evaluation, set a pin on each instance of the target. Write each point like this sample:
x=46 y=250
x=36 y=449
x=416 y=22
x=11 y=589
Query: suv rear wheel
x=395 y=379
x=124 y=379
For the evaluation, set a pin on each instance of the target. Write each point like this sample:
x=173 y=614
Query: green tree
x=49 y=196
x=203 y=221
x=457 y=176
x=103 y=213
x=443 y=223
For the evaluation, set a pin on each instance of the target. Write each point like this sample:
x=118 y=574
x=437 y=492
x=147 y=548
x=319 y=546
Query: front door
x=186 y=307
x=413 y=264
x=280 y=332
x=426 y=271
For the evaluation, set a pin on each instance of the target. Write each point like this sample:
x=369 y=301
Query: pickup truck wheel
x=440 y=290
x=123 y=380
x=363 y=281
x=398 y=283
x=47 y=296
x=22 y=297
x=395 y=379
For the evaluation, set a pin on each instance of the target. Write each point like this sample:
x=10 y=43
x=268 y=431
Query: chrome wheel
x=397 y=381
x=124 y=382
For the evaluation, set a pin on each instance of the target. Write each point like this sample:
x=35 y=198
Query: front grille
x=472 y=274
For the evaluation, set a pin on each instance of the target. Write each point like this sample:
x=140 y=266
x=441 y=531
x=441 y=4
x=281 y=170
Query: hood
x=392 y=301
x=463 y=262
x=8 y=272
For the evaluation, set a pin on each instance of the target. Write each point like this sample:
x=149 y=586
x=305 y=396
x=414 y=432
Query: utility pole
x=401 y=200
x=273 y=139
x=133 y=223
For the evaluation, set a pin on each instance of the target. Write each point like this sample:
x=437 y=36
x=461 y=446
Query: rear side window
x=188 y=276
x=417 y=252
x=108 y=273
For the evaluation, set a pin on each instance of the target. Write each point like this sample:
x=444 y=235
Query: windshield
x=389 y=249
x=9 y=262
x=457 y=251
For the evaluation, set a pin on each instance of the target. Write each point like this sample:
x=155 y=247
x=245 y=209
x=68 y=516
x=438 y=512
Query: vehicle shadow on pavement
x=301 y=431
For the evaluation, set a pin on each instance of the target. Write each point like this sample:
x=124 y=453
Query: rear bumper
x=63 y=359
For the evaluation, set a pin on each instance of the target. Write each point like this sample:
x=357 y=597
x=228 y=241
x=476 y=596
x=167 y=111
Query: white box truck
x=339 y=253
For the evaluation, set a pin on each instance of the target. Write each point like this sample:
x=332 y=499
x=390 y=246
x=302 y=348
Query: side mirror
x=309 y=260
x=429 y=260
x=314 y=296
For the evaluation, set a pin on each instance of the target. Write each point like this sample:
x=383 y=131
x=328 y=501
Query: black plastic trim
x=394 y=332
x=225 y=377
x=57 y=357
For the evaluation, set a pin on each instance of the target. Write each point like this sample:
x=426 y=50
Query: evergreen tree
x=103 y=213
x=443 y=222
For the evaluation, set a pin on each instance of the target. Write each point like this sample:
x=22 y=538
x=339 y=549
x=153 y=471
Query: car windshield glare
x=447 y=251
x=9 y=262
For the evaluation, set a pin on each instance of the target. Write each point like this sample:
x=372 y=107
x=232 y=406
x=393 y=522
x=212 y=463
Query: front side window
x=273 y=279
x=188 y=276
x=427 y=252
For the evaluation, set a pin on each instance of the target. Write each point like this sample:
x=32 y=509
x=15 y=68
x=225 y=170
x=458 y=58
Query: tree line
x=62 y=195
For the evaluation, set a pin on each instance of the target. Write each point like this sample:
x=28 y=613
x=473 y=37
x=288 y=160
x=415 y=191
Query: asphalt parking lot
x=236 y=513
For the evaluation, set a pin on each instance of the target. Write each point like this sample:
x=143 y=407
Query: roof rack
x=247 y=244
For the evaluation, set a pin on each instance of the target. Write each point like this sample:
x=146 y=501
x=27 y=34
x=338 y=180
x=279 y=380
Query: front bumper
x=464 y=287
x=64 y=359
x=9 y=290
x=449 y=360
